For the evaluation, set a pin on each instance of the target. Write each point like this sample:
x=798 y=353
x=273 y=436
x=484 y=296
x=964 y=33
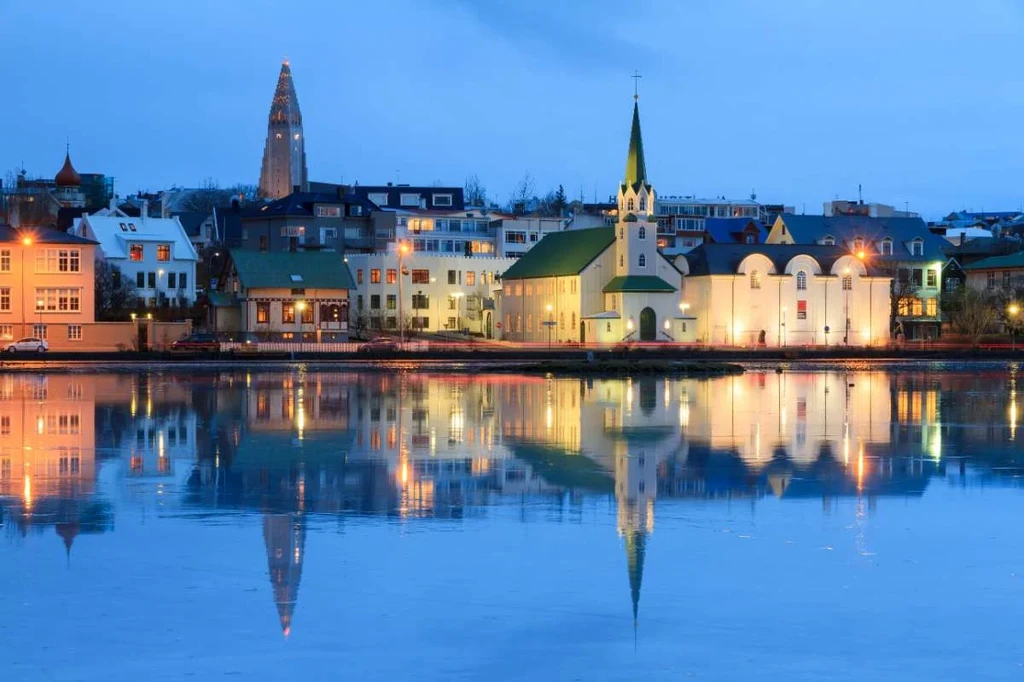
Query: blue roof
x=729 y=230
x=811 y=229
x=725 y=259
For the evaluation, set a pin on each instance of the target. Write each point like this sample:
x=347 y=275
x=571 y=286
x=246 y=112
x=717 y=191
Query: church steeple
x=284 y=156
x=636 y=168
x=636 y=547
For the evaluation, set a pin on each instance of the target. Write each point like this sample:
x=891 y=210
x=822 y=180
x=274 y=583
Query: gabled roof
x=808 y=229
x=191 y=221
x=725 y=259
x=562 y=253
x=40 y=235
x=726 y=230
x=637 y=283
x=292 y=270
x=301 y=204
x=1013 y=260
x=113 y=239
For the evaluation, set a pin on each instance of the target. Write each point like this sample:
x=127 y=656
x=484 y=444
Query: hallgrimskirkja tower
x=284 y=156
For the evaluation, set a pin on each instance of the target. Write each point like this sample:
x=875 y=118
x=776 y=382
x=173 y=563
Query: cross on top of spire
x=636 y=84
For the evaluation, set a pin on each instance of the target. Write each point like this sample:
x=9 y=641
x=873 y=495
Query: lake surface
x=839 y=524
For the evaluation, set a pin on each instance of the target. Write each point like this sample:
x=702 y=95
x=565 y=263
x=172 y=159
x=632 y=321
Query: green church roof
x=636 y=169
x=637 y=283
x=562 y=253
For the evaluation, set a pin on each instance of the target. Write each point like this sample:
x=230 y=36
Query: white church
x=602 y=284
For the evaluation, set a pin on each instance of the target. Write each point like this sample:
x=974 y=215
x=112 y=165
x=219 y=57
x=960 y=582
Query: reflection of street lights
x=1012 y=311
x=403 y=249
x=300 y=307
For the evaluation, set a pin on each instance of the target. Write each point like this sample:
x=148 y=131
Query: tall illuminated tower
x=284 y=155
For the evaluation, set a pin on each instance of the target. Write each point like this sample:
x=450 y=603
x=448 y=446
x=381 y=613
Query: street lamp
x=1012 y=311
x=848 y=276
x=300 y=307
x=683 y=307
x=550 y=323
x=782 y=326
x=26 y=242
x=403 y=248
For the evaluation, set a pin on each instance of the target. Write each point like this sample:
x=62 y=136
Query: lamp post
x=782 y=326
x=550 y=323
x=683 y=307
x=1012 y=311
x=847 y=275
x=25 y=243
x=403 y=248
x=300 y=307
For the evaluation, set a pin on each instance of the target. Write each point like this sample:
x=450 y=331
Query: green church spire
x=636 y=169
x=636 y=548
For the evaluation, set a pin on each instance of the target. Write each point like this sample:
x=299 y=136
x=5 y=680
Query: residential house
x=439 y=292
x=310 y=221
x=47 y=288
x=996 y=274
x=784 y=295
x=201 y=228
x=903 y=247
x=682 y=219
x=397 y=196
x=283 y=296
x=154 y=253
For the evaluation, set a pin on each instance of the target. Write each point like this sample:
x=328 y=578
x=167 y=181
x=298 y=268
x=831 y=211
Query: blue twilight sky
x=801 y=100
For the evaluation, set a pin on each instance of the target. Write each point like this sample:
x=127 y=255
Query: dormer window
x=124 y=227
x=885 y=248
x=131 y=227
x=296 y=279
x=917 y=248
x=829 y=240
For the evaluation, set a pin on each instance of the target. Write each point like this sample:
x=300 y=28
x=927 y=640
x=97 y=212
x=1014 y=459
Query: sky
x=800 y=101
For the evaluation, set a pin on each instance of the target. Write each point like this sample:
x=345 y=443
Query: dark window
x=140 y=280
x=152 y=280
x=375 y=302
x=183 y=280
x=451 y=277
x=264 y=243
x=918 y=277
x=172 y=280
x=420 y=301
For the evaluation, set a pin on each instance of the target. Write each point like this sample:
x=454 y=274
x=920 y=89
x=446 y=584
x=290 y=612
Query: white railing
x=311 y=347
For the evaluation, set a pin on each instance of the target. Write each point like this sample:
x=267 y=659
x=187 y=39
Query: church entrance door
x=648 y=324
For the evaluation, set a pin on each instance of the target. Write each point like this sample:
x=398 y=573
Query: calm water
x=303 y=525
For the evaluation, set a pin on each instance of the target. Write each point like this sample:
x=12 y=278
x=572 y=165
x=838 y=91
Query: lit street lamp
x=1012 y=311
x=403 y=248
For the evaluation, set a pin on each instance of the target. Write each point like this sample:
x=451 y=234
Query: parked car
x=29 y=344
x=381 y=344
x=196 y=343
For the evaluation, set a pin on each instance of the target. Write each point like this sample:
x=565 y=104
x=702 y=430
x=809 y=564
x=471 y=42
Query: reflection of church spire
x=68 y=531
x=285 y=538
x=636 y=546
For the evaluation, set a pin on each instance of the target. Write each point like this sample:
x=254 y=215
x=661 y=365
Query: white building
x=440 y=291
x=602 y=284
x=154 y=253
x=784 y=295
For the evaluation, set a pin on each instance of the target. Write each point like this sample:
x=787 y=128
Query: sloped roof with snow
x=115 y=233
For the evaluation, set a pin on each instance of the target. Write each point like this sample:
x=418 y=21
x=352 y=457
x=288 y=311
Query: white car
x=27 y=345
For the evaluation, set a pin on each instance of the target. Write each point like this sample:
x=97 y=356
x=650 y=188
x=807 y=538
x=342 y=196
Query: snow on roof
x=114 y=233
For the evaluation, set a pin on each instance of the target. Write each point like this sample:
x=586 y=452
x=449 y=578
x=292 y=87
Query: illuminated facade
x=784 y=295
x=284 y=154
x=47 y=288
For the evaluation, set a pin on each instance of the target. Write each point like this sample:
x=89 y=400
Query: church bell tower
x=636 y=231
x=284 y=155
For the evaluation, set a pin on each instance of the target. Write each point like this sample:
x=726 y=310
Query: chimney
x=163 y=204
x=113 y=203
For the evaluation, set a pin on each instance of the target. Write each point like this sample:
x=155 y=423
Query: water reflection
x=413 y=448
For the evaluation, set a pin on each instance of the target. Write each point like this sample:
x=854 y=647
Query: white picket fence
x=310 y=347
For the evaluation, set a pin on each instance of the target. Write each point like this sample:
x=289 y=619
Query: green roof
x=292 y=270
x=222 y=299
x=1013 y=260
x=638 y=283
x=562 y=253
x=636 y=169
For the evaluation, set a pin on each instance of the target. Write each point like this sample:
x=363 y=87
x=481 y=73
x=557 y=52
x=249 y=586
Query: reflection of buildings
x=48 y=455
x=285 y=539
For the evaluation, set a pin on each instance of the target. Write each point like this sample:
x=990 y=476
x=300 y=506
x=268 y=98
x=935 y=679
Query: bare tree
x=115 y=296
x=971 y=312
x=523 y=193
x=474 y=192
x=208 y=195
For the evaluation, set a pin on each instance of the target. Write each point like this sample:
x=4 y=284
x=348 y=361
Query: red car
x=196 y=343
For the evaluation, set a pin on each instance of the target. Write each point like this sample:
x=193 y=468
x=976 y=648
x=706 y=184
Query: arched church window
x=629 y=203
x=755 y=280
x=643 y=232
x=643 y=204
x=622 y=233
x=622 y=261
x=801 y=281
x=643 y=261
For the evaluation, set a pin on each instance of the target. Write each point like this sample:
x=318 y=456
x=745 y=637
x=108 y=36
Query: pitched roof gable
x=292 y=270
x=1013 y=260
x=725 y=259
x=808 y=229
x=562 y=253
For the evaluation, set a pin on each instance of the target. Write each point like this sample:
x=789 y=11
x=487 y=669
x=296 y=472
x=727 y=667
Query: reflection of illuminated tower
x=635 y=485
x=285 y=538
